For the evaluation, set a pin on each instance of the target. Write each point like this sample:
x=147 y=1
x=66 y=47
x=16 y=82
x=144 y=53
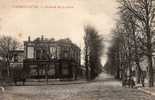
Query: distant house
x=48 y=58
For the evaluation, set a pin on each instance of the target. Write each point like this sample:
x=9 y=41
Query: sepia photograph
x=77 y=49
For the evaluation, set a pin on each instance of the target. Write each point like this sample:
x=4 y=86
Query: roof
x=65 y=41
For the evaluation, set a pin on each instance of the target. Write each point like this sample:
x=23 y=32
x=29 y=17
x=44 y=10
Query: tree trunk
x=150 y=70
x=149 y=52
x=87 y=73
x=86 y=64
x=149 y=46
x=118 y=73
x=136 y=53
x=118 y=64
x=138 y=73
x=8 y=67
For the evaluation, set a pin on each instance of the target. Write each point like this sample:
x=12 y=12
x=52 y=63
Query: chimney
x=29 y=38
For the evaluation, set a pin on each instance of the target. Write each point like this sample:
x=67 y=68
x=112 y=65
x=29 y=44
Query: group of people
x=129 y=80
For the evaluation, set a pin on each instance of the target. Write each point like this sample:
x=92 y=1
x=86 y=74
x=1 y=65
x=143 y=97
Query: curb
x=147 y=92
x=51 y=83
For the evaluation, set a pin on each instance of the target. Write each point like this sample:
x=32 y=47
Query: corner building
x=53 y=59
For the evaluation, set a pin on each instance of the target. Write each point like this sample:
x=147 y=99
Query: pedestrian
x=143 y=74
x=132 y=82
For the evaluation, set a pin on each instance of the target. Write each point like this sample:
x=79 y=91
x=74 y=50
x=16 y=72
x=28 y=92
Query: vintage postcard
x=77 y=49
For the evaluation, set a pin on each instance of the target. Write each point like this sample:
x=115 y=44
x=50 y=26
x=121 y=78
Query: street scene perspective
x=77 y=50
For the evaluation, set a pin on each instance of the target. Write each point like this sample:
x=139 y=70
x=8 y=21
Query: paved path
x=104 y=88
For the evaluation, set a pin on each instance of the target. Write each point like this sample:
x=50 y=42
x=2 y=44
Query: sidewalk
x=33 y=82
x=148 y=90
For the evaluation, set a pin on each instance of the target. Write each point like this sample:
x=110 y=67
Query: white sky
x=57 y=22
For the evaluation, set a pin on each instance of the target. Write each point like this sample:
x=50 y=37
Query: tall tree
x=113 y=65
x=144 y=11
x=125 y=50
x=93 y=51
x=131 y=26
x=86 y=55
x=7 y=44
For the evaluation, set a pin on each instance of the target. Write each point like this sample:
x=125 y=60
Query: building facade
x=52 y=59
